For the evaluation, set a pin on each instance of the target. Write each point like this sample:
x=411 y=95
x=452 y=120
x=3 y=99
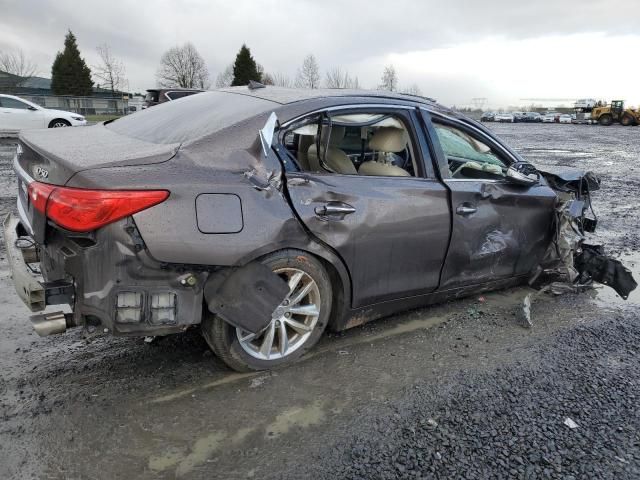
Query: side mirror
x=523 y=173
x=34 y=109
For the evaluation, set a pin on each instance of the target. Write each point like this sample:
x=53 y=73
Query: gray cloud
x=279 y=32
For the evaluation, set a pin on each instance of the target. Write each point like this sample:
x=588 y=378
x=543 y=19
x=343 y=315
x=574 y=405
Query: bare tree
x=412 y=89
x=277 y=80
x=224 y=78
x=309 y=74
x=182 y=66
x=337 y=78
x=110 y=72
x=16 y=63
x=389 y=79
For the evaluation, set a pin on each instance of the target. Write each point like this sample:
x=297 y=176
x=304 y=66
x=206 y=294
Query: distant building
x=38 y=90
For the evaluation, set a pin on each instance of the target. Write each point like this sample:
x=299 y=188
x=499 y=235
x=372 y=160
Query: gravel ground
x=460 y=390
x=510 y=422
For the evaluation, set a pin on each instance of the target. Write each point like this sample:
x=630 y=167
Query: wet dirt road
x=121 y=408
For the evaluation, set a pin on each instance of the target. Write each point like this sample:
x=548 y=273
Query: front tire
x=305 y=314
x=59 y=123
x=627 y=120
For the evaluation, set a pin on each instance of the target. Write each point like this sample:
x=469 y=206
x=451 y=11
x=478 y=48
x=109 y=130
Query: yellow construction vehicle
x=615 y=112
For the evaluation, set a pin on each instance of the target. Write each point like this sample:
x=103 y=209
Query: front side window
x=369 y=144
x=6 y=102
x=468 y=156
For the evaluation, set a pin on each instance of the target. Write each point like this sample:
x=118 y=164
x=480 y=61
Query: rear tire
x=287 y=338
x=605 y=120
x=627 y=120
x=59 y=123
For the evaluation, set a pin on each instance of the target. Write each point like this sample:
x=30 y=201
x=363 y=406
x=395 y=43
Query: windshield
x=191 y=118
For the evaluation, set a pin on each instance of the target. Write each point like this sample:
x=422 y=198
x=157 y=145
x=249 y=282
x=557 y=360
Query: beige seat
x=335 y=159
x=303 y=146
x=386 y=141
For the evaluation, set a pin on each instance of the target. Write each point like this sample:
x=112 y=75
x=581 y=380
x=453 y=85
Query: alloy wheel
x=291 y=323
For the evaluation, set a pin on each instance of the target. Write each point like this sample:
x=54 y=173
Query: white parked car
x=549 y=117
x=19 y=114
x=504 y=117
x=565 y=118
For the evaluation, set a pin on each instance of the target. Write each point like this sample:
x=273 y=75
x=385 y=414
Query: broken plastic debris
x=526 y=309
x=570 y=423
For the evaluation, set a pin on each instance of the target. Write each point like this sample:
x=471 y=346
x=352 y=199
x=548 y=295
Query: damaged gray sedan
x=265 y=215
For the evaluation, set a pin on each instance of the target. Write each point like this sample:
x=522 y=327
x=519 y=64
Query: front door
x=500 y=229
x=370 y=198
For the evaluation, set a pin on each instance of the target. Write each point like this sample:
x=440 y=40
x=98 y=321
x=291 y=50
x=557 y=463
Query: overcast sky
x=508 y=51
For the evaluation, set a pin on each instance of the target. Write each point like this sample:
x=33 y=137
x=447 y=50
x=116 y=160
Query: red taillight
x=39 y=194
x=82 y=210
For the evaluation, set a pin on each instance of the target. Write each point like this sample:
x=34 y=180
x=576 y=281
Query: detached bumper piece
x=594 y=264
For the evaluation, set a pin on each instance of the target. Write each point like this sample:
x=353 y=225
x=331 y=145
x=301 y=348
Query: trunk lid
x=54 y=156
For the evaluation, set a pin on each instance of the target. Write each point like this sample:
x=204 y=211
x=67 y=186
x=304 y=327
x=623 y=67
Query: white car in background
x=549 y=117
x=503 y=117
x=565 y=118
x=19 y=114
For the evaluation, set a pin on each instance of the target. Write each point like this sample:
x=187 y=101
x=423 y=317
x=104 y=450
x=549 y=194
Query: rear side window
x=193 y=117
x=366 y=144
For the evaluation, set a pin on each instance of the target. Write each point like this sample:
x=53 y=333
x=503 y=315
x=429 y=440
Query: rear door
x=500 y=230
x=392 y=232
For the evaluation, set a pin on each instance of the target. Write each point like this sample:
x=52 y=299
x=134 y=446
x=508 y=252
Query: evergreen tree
x=245 y=68
x=69 y=73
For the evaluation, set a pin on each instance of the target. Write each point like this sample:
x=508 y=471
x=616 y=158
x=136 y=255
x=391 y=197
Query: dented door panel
x=507 y=234
x=393 y=241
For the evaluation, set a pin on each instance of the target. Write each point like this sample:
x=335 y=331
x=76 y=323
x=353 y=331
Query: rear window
x=193 y=117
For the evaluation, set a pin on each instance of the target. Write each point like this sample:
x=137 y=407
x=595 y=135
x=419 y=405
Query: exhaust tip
x=46 y=324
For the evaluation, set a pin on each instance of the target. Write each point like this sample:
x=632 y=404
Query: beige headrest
x=389 y=139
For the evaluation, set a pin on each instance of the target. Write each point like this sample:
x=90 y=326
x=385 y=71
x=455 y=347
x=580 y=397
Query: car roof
x=176 y=89
x=286 y=96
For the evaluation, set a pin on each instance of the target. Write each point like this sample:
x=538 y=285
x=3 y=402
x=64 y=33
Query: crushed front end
x=571 y=263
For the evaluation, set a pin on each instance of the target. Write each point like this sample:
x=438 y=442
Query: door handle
x=334 y=209
x=466 y=209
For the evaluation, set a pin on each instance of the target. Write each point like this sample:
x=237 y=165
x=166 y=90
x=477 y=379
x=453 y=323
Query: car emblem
x=41 y=172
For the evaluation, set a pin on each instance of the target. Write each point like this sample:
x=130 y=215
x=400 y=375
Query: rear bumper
x=109 y=281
